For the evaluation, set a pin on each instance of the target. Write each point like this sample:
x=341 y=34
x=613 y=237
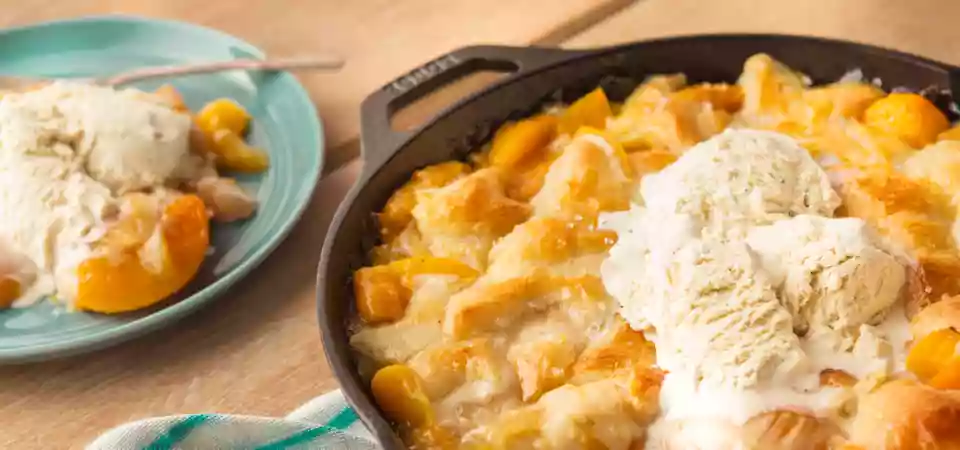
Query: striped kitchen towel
x=325 y=422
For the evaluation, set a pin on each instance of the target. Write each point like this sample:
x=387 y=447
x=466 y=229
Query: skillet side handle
x=379 y=141
x=953 y=74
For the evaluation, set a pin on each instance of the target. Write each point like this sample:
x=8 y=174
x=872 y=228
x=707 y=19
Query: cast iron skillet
x=542 y=76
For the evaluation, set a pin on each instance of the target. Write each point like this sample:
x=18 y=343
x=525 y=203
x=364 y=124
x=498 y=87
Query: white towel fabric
x=326 y=422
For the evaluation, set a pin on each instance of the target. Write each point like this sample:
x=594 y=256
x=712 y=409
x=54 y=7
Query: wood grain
x=925 y=27
x=257 y=350
x=380 y=38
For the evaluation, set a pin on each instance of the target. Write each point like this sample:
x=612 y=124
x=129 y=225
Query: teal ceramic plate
x=284 y=123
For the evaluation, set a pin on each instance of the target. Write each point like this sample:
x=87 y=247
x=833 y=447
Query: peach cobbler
x=766 y=264
x=107 y=194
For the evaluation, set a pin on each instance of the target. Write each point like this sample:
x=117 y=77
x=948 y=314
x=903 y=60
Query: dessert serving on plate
x=766 y=264
x=107 y=194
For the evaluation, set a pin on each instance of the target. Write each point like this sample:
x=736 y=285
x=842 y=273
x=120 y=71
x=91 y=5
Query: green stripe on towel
x=178 y=432
x=339 y=422
x=343 y=419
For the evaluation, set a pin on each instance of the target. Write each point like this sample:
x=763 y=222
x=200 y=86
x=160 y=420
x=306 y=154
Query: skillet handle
x=953 y=72
x=379 y=141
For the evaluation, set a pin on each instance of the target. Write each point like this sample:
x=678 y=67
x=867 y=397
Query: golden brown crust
x=464 y=218
x=443 y=368
x=475 y=203
x=596 y=415
x=541 y=357
x=906 y=415
x=773 y=430
x=584 y=181
x=549 y=244
x=940 y=269
x=396 y=214
x=484 y=306
x=916 y=291
x=627 y=351
x=836 y=378
x=940 y=315
x=916 y=215
x=787 y=430
x=496 y=305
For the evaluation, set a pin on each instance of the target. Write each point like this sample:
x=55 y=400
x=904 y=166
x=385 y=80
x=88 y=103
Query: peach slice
x=223 y=123
x=235 y=154
x=591 y=110
x=948 y=377
x=399 y=392
x=10 y=290
x=519 y=141
x=223 y=114
x=907 y=116
x=16 y=272
x=932 y=353
x=137 y=276
x=383 y=292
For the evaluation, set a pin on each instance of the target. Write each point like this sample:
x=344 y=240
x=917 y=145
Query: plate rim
x=214 y=290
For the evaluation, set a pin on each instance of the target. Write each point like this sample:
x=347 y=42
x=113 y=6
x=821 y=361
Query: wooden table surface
x=257 y=351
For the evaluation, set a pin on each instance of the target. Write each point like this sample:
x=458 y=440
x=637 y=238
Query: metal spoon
x=326 y=63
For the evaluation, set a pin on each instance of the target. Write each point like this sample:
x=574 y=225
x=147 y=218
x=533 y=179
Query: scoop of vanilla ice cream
x=832 y=274
x=717 y=317
x=734 y=268
x=644 y=240
x=126 y=139
x=741 y=178
x=706 y=303
x=53 y=213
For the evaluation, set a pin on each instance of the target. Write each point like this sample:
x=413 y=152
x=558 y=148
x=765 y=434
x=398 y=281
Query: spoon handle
x=238 y=64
